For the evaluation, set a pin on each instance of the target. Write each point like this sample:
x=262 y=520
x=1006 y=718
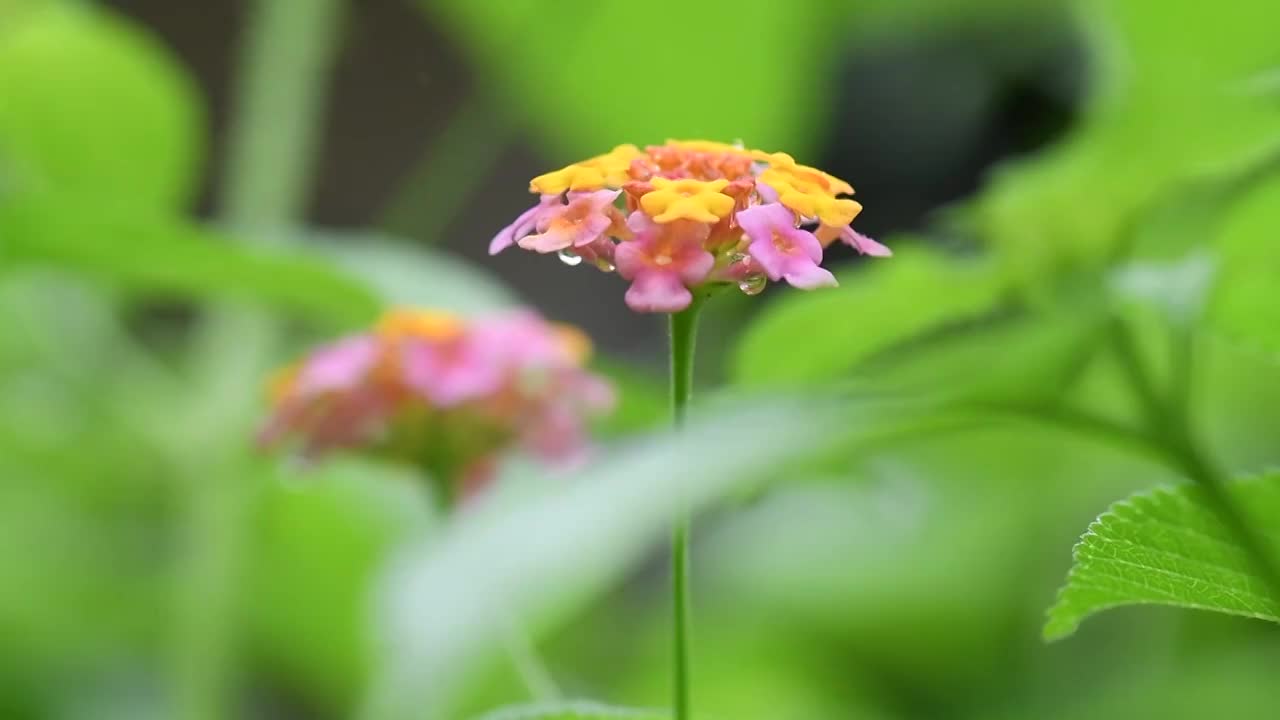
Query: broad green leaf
x=146 y=252
x=410 y=275
x=1168 y=547
x=572 y=710
x=1244 y=303
x=807 y=337
x=94 y=106
x=447 y=602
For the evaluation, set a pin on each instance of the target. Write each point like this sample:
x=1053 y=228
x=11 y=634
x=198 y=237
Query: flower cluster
x=676 y=217
x=442 y=393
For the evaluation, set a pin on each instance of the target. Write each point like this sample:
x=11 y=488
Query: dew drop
x=752 y=284
x=570 y=258
x=604 y=265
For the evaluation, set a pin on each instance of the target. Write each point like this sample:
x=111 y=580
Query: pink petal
x=547 y=242
x=807 y=276
x=654 y=291
x=523 y=225
x=766 y=192
x=630 y=258
x=863 y=244
x=518 y=339
x=760 y=222
x=451 y=375
x=339 y=366
x=782 y=250
x=594 y=210
x=694 y=264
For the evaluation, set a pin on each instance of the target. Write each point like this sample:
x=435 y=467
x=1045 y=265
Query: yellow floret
x=708 y=146
x=574 y=341
x=810 y=199
x=607 y=170
x=697 y=200
x=425 y=324
x=281 y=383
x=782 y=163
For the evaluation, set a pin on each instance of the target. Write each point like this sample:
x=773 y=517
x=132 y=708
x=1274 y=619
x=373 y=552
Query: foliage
x=890 y=472
x=1169 y=547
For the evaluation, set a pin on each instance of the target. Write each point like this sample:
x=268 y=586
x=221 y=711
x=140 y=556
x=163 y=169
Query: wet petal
x=654 y=291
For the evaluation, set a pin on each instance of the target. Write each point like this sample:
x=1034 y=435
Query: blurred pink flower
x=444 y=393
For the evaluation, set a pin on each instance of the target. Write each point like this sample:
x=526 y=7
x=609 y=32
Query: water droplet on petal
x=569 y=257
x=604 y=265
x=753 y=284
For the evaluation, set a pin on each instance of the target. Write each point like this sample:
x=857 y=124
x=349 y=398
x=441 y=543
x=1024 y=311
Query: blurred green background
x=193 y=192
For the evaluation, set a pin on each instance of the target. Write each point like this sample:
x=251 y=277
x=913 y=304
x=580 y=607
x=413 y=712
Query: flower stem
x=684 y=329
x=281 y=83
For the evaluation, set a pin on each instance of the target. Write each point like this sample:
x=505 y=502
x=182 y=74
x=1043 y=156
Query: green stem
x=289 y=46
x=684 y=329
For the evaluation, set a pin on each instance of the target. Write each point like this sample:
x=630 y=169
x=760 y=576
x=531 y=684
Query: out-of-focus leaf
x=1026 y=357
x=1152 y=38
x=1244 y=303
x=1230 y=680
x=408 y=275
x=913 y=557
x=93 y=106
x=1168 y=547
x=1070 y=207
x=808 y=337
x=150 y=253
x=642 y=399
x=696 y=68
x=572 y=710
x=1178 y=289
x=325 y=532
x=544 y=556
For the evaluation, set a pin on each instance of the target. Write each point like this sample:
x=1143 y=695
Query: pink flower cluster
x=442 y=393
x=677 y=217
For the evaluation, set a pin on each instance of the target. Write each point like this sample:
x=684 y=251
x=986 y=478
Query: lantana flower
x=674 y=218
x=443 y=393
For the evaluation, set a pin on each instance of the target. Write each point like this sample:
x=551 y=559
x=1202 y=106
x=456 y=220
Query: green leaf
x=572 y=710
x=807 y=337
x=149 y=253
x=1159 y=117
x=323 y=532
x=94 y=106
x=570 y=83
x=1168 y=547
x=540 y=555
x=1243 y=303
